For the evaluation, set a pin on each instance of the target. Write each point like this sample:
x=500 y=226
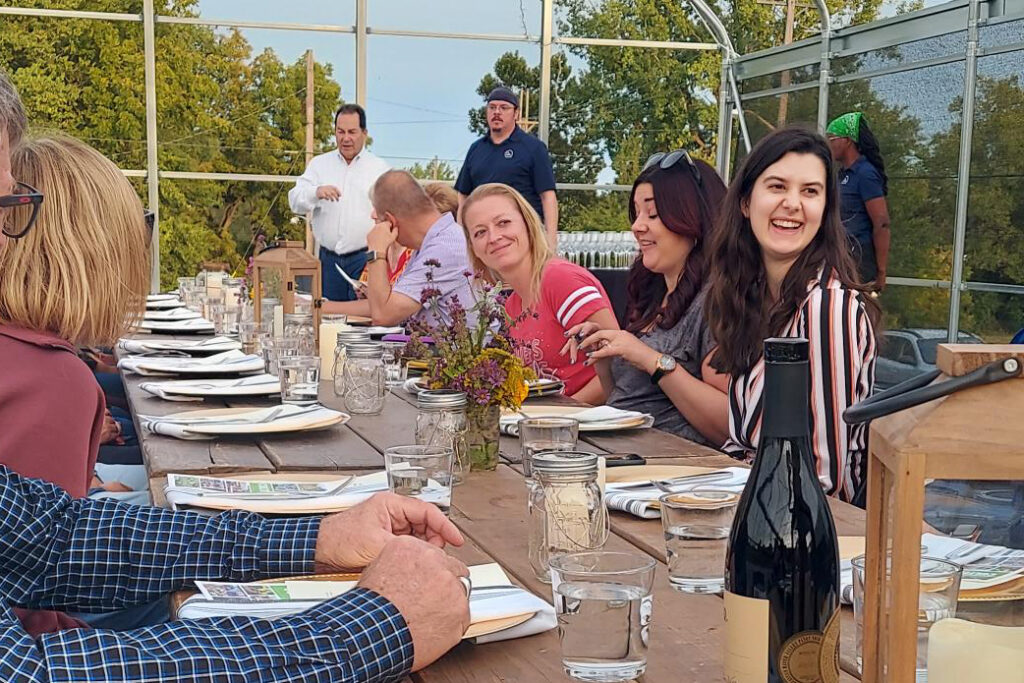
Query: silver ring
x=467 y=584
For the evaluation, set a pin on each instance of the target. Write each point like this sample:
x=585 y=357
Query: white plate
x=211 y=345
x=194 y=326
x=161 y=297
x=380 y=331
x=298 y=423
x=172 y=314
x=642 y=421
x=164 y=304
x=255 y=385
x=188 y=366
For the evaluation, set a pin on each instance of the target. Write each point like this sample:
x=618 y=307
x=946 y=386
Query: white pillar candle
x=960 y=651
x=328 y=343
x=278 y=321
x=213 y=283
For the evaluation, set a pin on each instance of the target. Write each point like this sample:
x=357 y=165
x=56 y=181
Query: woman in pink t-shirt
x=549 y=295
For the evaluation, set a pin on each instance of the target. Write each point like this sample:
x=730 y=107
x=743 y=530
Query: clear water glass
x=218 y=314
x=936 y=600
x=539 y=434
x=300 y=379
x=249 y=336
x=603 y=602
x=276 y=348
x=423 y=472
x=696 y=524
x=395 y=369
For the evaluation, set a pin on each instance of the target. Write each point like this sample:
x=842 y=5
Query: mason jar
x=364 y=378
x=344 y=338
x=300 y=326
x=566 y=508
x=232 y=290
x=441 y=421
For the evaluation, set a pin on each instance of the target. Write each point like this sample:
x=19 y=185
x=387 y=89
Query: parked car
x=906 y=353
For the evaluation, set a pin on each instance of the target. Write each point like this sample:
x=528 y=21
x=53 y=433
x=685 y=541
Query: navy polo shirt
x=858 y=185
x=522 y=161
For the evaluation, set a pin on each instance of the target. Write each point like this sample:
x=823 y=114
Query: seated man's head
x=82 y=271
x=397 y=197
x=12 y=127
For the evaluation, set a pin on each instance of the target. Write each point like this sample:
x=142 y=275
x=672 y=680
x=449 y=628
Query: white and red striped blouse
x=842 y=364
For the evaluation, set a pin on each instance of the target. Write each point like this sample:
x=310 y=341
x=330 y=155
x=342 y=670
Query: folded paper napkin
x=172 y=314
x=164 y=303
x=642 y=501
x=361 y=488
x=188 y=390
x=187 y=325
x=509 y=422
x=169 y=296
x=183 y=427
x=186 y=345
x=984 y=565
x=230 y=361
x=484 y=606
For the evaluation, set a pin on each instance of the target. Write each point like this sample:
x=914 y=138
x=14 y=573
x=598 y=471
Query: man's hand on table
x=350 y=540
x=422 y=582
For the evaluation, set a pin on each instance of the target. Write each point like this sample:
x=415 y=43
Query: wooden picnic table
x=490 y=508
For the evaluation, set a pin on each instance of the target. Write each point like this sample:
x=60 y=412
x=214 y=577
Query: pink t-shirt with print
x=569 y=294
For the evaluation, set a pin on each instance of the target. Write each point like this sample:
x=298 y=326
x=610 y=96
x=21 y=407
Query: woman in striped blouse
x=780 y=267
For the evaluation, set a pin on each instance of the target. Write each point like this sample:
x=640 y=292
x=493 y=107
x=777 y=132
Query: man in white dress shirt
x=335 y=187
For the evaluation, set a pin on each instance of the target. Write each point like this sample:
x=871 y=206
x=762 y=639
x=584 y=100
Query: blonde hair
x=445 y=198
x=540 y=250
x=82 y=271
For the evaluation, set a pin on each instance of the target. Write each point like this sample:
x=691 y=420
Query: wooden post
x=310 y=247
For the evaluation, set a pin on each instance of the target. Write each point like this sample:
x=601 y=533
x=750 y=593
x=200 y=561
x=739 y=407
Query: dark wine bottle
x=782 y=566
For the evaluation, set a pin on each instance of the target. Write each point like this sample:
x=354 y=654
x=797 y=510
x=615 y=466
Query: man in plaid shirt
x=56 y=552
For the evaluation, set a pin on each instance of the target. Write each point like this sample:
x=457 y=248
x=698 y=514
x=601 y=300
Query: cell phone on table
x=623 y=459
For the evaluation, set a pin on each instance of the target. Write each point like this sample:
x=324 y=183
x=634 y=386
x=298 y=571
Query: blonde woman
x=549 y=295
x=75 y=279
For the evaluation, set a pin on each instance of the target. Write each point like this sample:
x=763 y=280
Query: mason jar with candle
x=441 y=421
x=566 y=509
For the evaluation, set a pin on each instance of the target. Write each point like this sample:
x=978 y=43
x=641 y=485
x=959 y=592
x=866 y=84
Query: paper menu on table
x=189 y=483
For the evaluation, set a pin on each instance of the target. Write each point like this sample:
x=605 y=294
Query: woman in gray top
x=658 y=364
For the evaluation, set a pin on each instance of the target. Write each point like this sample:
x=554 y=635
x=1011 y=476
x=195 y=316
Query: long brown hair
x=740 y=310
x=687 y=210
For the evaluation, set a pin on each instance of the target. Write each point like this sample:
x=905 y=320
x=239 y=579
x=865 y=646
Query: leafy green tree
x=435 y=169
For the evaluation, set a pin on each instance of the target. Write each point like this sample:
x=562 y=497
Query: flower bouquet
x=473 y=353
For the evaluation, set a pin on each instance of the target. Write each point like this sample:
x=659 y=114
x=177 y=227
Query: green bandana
x=846 y=126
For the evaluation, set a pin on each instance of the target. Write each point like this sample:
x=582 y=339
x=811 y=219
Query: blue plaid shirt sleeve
x=57 y=552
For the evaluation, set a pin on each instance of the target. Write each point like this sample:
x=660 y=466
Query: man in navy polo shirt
x=510 y=155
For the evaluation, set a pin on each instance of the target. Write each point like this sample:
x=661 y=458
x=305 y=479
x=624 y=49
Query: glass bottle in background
x=782 y=567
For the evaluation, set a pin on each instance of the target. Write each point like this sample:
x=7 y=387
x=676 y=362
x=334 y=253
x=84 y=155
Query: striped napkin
x=186 y=345
x=234 y=362
x=181 y=427
x=642 y=501
x=194 y=390
x=196 y=325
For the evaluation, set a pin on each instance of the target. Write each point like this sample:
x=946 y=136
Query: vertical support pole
x=547 y=21
x=963 y=184
x=361 y=53
x=825 y=67
x=724 y=122
x=152 y=172
x=786 y=78
x=310 y=129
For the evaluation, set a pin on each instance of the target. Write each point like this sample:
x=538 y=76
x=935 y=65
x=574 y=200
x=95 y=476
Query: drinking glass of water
x=248 y=335
x=300 y=379
x=539 y=434
x=395 y=369
x=936 y=600
x=423 y=472
x=603 y=601
x=696 y=525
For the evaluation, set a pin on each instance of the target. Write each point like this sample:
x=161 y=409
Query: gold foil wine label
x=746 y=639
x=812 y=656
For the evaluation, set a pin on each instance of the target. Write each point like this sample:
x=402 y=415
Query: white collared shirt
x=340 y=226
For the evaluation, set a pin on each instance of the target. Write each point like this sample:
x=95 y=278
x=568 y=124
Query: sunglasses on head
x=666 y=160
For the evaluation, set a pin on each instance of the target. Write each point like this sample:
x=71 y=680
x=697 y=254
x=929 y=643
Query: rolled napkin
x=193 y=325
x=172 y=314
x=184 y=425
x=194 y=390
x=234 y=362
x=214 y=344
x=642 y=501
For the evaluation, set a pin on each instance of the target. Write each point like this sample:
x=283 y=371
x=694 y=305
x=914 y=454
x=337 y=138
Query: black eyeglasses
x=666 y=160
x=18 y=211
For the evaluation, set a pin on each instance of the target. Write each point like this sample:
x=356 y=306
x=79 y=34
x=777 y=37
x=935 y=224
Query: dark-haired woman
x=780 y=267
x=863 y=186
x=659 y=363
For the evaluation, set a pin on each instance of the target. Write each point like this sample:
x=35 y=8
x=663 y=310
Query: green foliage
x=435 y=169
x=221 y=109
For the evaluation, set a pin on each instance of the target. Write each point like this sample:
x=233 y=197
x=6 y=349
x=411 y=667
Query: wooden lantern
x=282 y=271
x=973 y=434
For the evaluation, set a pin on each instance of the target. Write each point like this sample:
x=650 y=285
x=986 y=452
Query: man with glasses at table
x=409 y=607
x=510 y=155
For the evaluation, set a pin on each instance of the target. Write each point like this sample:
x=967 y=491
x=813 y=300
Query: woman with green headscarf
x=863 y=187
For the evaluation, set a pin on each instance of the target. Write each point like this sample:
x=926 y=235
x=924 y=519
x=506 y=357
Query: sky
x=419 y=90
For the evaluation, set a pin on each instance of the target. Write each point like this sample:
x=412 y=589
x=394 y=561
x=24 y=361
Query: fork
x=665 y=485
